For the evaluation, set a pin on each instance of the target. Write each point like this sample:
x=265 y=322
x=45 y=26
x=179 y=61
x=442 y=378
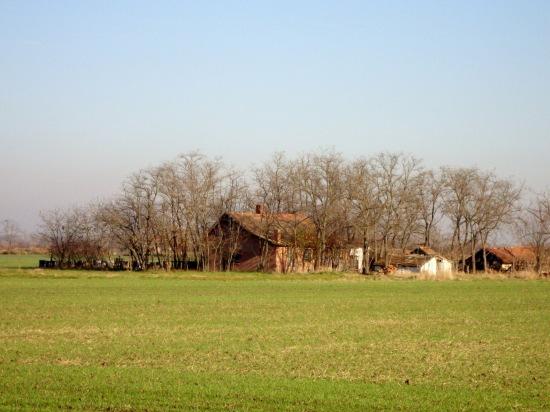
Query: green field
x=131 y=342
x=20 y=261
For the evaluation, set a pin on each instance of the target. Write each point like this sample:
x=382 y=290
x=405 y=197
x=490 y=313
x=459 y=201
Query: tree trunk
x=484 y=255
x=473 y=253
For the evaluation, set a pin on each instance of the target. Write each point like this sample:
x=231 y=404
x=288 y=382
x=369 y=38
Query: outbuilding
x=503 y=259
x=421 y=260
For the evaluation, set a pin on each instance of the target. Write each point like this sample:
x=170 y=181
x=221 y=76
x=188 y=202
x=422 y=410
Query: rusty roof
x=409 y=260
x=513 y=254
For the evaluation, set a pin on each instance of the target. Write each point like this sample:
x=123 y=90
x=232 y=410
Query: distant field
x=155 y=342
x=20 y=261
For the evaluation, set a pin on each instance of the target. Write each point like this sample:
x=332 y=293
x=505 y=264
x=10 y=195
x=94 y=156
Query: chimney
x=260 y=209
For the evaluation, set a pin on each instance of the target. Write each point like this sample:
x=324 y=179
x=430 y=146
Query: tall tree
x=132 y=217
x=431 y=188
x=364 y=204
x=321 y=181
x=397 y=184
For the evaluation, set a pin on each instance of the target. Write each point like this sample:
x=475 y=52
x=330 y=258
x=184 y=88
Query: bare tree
x=194 y=192
x=166 y=216
x=496 y=205
x=11 y=234
x=431 y=189
x=273 y=189
x=397 y=184
x=131 y=217
x=273 y=184
x=320 y=177
x=477 y=204
x=458 y=193
x=533 y=227
x=172 y=224
x=364 y=204
x=62 y=231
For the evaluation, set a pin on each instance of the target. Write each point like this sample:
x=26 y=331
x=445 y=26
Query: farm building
x=417 y=262
x=273 y=242
x=503 y=259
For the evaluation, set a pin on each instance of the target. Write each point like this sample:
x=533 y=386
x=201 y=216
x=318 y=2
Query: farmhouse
x=503 y=259
x=274 y=242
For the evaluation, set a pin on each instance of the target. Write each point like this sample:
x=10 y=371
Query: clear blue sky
x=91 y=91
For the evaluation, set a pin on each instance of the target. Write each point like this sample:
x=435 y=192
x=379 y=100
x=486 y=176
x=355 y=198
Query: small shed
x=431 y=265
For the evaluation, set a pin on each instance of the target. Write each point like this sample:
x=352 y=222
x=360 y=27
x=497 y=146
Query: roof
x=424 y=250
x=409 y=260
x=514 y=254
x=266 y=225
x=400 y=258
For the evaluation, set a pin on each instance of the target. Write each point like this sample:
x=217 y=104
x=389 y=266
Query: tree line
x=14 y=240
x=164 y=215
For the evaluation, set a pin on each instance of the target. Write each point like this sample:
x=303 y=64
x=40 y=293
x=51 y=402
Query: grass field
x=20 y=261
x=127 y=342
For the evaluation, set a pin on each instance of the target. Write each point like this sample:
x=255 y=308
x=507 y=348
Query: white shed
x=431 y=265
x=436 y=265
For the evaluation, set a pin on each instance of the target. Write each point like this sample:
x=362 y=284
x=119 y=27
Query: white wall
x=437 y=266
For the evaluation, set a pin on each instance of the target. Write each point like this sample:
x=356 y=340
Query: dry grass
x=525 y=275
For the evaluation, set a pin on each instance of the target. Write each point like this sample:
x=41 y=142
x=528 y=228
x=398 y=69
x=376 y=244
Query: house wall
x=246 y=256
x=250 y=250
x=444 y=266
x=283 y=261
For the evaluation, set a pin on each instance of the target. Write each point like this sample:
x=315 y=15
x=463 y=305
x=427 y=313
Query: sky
x=93 y=91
